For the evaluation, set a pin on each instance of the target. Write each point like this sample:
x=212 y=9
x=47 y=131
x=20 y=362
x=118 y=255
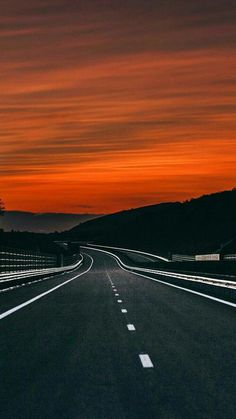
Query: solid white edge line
x=26 y=303
x=190 y=277
x=219 y=300
x=146 y=361
x=209 y=297
x=132 y=250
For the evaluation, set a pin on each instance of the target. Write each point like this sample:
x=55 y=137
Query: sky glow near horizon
x=107 y=105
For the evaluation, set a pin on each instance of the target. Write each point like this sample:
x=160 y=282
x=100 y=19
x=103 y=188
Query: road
x=76 y=352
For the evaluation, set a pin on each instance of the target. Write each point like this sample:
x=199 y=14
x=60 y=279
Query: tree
x=2 y=207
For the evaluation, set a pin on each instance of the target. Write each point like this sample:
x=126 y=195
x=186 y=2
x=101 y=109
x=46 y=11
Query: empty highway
x=104 y=343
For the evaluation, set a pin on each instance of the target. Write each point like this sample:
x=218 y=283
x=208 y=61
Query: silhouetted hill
x=41 y=223
x=30 y=241
x=199 y=225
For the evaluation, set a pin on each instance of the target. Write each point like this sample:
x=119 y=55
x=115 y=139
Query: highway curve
x=103 y=343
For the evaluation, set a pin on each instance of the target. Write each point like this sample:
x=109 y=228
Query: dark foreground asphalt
x=70 y=354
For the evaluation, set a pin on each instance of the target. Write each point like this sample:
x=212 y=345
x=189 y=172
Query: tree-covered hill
x=204 y=224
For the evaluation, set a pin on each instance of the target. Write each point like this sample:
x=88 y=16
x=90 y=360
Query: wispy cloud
x=133 y=100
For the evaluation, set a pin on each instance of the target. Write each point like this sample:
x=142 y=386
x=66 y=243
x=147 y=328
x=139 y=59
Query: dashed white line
x=119 y=301
x=131 y=327
x=120 y=263
x=25 y=284
x=109 y=278
x=146 y=361
x=117 y=295
x=123 y=310
x=115 y=290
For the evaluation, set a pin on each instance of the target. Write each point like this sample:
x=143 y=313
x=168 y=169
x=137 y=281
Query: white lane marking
x=115 y=290
x=123 y=310
x=117 y=295
x=113 y=286
x=26 y=303
x=131 y=327
x=146 y=361
x=131 y=250
x=109 y=278
x=13 y=276
x=119 y=262
x=25 y=284
x=186 y=289
x=189 y=277
x=119 y=301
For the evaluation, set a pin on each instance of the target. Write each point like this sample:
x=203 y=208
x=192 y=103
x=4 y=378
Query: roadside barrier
x=13 y=278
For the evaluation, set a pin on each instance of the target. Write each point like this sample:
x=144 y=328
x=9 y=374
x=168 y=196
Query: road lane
x=210 y=292
x=10 y=298
x=70 y=355
x=67 y=356
x=20 y=306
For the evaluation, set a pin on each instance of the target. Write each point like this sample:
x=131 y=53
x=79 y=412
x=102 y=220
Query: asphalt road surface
x=102 y=343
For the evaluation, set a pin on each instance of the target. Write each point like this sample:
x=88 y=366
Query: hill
x=203 y=224
x=42 y=223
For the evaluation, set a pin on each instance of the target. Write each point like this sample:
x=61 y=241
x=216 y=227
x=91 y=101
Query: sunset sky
x=108 y=105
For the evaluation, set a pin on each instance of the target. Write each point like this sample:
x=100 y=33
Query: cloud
x=116 y=93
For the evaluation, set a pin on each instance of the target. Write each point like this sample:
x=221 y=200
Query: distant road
x=103 y=343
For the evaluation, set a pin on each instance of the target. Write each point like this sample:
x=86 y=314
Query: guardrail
x=14 y=260
x=223 y=291
x=189 y=277
x=11 y=279
x=229 y=257
x=182 y=258
x=123 y=249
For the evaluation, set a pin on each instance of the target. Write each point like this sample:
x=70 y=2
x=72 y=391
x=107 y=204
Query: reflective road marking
x=39 y=296
x=131 y=327
x=146 y=361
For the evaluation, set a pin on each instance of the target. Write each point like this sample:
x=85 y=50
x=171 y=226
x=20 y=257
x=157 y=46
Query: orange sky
x=108 y=105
